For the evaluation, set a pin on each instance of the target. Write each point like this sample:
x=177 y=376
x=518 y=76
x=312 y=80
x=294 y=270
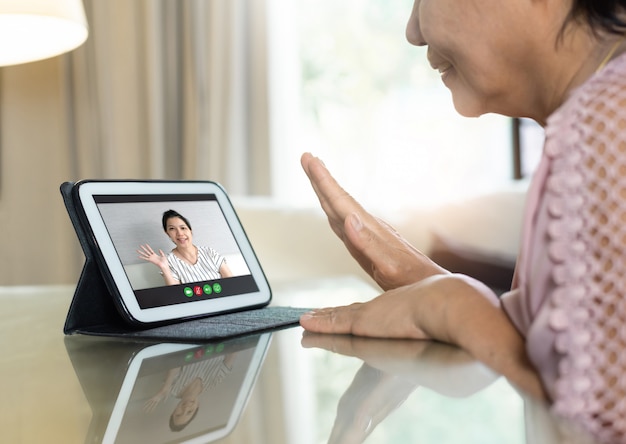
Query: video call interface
x=135 y=220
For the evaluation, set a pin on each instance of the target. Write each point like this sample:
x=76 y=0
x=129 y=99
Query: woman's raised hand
x=146 y=253
x=378 y=248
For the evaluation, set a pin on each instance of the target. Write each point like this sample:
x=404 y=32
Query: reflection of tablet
x=218 y=378
x=121 y=216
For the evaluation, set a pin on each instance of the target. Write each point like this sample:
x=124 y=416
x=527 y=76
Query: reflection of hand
x=151 y=403
x=371 y=397
x=377 y=247
x=443 y=368
x=146 y=253
x=391 y=371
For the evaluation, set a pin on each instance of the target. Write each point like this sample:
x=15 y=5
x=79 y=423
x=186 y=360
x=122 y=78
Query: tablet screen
x=173 y=254
x=134 y=221
x=181 y=393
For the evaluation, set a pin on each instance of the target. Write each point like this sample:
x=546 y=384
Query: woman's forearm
x=167 y=276
x=225 y=270
x=470 y=317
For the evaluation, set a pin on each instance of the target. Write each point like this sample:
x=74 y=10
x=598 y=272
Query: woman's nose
x=413 y=31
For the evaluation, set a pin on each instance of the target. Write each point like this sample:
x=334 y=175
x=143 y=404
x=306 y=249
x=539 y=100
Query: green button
x=188 y=292
x=217 y=288
x=207 y=289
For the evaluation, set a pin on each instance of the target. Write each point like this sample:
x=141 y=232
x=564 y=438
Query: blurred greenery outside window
x=350 y=88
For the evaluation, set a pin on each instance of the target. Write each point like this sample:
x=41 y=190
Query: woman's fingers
x=146 y=253
x=330 y=320
x=145 y=249
x=335 y=201
x=143 y=252
x=387 y=316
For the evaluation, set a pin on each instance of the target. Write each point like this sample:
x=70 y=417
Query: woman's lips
x=438 y=63
x=443 y=68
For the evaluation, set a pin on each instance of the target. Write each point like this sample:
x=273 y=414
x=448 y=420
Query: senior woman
x=186 y=262
x=561 y=327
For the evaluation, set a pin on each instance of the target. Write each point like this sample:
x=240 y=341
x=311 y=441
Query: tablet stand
x=93 y=311
x=92 y=305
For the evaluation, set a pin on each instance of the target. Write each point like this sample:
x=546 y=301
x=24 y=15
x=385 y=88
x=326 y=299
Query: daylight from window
x=348 y=87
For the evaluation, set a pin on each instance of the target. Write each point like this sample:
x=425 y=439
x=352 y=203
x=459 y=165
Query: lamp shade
x=37 y=29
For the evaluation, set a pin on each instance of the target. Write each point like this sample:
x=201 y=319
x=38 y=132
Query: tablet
x=182 y=393
x=170 y=250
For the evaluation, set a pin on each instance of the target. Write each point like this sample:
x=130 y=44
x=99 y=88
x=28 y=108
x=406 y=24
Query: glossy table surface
x=280 y=387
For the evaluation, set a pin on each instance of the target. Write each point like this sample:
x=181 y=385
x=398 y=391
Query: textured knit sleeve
x=586 y=244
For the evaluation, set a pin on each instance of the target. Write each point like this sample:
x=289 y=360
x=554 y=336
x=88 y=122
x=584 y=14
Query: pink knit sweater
x=569 y=293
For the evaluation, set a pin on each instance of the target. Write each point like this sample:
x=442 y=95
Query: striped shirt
x=212 y=372
x=206 y=268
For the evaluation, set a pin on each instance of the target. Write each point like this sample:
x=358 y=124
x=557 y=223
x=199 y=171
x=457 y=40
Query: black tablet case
x=93 y=311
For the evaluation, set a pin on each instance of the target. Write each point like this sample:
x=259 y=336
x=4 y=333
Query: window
x=348 y=87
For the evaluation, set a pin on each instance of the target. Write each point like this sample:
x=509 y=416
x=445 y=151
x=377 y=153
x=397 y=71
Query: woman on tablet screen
x=186 y=262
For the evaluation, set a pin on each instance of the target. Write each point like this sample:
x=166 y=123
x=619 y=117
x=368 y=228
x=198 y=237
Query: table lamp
x=38 y=29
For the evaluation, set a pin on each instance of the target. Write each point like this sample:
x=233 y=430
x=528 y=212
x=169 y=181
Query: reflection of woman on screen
x=186 y=383
x=186 y=262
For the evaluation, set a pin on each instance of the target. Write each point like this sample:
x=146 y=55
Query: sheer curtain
x=172 y=89
x=161 y=89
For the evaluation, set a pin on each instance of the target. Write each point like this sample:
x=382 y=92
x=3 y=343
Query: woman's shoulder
x=205 y=249
x=594 y=116
x=585 y=207
x=172 y=258
x=604 y=94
